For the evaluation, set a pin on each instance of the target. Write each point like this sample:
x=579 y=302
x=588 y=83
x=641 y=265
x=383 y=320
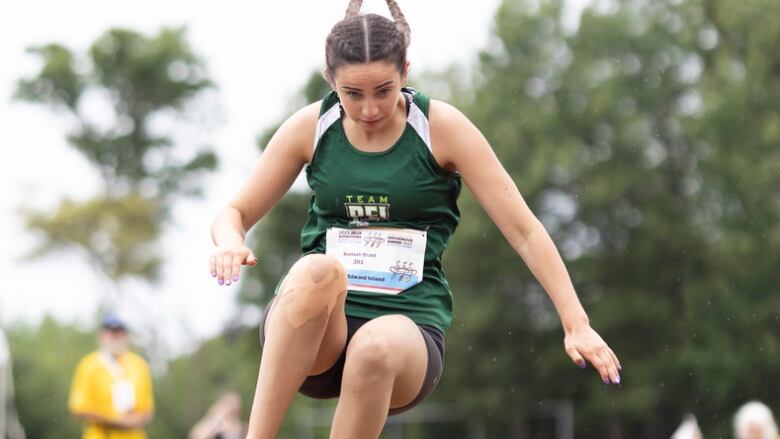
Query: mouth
x=371 y=122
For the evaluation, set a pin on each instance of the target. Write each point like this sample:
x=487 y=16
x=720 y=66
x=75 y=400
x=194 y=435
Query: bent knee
x=371 y=355
x=320 y=269
x=315 y=284
x=317 y=273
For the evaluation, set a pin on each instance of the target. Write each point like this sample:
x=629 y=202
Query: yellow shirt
x=110 y=388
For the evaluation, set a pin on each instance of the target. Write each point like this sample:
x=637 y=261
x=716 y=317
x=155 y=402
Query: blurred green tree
x=192 y=383
x=646 y=141
x=145 y=85
x=44 y=358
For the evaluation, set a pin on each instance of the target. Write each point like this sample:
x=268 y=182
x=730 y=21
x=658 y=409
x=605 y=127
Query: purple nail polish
x=581 y=365
x=221 y=281
x=235 y=278
x=213 y=274
x=606 y=380
x=617 y=380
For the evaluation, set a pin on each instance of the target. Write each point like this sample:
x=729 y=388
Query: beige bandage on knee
x=313 y=287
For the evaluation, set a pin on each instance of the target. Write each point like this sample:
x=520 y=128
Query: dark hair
x=366 y=38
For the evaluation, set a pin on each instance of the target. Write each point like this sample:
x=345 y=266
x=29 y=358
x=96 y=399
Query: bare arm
x=205 y=428
x=288 y=150
x=130 y=421
x=458 y=144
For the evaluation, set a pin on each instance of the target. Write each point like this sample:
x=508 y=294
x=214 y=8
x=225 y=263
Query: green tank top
x=403 y=187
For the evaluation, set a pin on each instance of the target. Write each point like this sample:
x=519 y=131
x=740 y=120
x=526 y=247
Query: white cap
x=755 y=418
x=689 y=429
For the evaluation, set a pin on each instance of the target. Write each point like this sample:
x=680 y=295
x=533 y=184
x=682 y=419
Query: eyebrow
x=386 y=83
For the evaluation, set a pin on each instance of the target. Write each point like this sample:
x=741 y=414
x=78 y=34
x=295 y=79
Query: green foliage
x=142 y=77
x=143 y=80
x=115 y=233
x=57 y=84
x=646 y=141
x=647 y=144
x=44 y=359
x=315 y=88
x=649 y=152
x=192 y=383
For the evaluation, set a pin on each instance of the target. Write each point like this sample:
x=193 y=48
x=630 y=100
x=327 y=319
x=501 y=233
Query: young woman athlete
x=362 y=315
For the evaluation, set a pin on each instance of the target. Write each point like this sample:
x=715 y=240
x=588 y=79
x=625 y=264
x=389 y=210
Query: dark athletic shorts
x=328 y=384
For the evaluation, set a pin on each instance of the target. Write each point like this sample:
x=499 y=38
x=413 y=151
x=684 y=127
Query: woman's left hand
x=584 y=343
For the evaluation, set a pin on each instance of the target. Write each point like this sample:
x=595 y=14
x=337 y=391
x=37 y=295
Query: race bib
x=379 y=260
x=123 y=396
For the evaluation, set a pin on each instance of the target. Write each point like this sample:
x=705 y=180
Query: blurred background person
x=754 y=420
x=222 y=421
x=9 y=422
x=689 y=429
x=112 y=387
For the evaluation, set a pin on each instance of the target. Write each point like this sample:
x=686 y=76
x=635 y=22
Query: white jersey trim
x=420 y=123
x=325 y=121
x=416 y=119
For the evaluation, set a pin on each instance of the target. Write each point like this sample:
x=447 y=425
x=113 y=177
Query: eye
x=353 y=94
x=384 y=92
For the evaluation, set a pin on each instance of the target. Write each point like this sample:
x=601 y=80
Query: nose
x=370 y=109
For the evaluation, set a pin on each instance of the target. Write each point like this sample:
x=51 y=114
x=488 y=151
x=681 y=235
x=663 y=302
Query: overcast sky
x=258 y=53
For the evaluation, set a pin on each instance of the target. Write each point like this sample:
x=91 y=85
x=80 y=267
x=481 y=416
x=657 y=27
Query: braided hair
x=364 y=38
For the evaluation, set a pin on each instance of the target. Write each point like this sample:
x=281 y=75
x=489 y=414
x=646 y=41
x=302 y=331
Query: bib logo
x=373 y=240
x=368 y=207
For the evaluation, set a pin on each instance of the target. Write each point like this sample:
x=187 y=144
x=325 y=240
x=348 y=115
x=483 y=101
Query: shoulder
x=87 y=365
x=453 y=135
x=444 y=118
x=136 y=360
x=90 y=360
x=296 y=134
x=303 y=121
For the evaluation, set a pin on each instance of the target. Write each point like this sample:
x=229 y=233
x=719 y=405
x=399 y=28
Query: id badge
x=379 y=260
x=123 y=396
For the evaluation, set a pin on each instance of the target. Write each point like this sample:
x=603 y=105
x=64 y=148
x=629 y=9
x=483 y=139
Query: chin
x=374 y=126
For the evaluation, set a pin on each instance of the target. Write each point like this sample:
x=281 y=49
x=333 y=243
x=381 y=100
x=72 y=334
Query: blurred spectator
x=754 y=420
x=222 y=421
x=689 y=429
x=9 y=423
x=112 y=387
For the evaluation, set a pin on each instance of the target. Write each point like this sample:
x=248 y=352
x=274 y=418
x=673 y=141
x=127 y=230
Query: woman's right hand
x=226 y=261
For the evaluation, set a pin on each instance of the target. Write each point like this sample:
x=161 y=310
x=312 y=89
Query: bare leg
x=305 y=334
x=385 y=367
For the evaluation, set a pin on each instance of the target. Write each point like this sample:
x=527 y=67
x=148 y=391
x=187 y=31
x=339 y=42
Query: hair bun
x=354 y=8
x=400 y=21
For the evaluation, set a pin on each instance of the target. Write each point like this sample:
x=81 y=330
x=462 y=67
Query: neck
x=113 y=355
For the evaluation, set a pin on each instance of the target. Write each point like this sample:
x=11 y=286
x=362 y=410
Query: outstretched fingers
x=225 y=264
x=609 y=366
x=587 y=345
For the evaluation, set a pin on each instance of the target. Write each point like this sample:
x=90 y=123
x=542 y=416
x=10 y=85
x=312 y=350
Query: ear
x=327 y=78
x=405 y=75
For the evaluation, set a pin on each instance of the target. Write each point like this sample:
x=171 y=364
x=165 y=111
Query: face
x=114 y=340
x=753 y=431
x=232 y=404
x=369 y=92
